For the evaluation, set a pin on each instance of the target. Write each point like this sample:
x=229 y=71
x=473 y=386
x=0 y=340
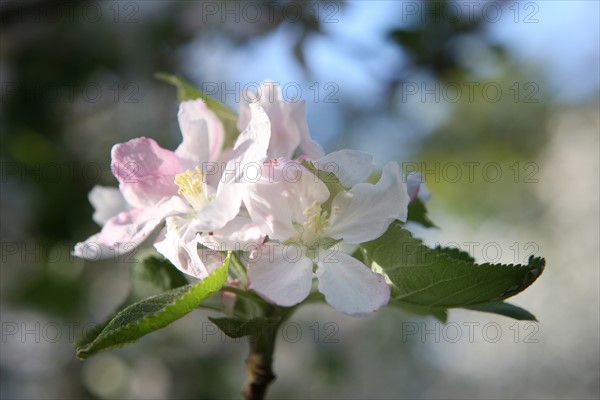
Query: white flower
x=157 y=185
x=305 y=223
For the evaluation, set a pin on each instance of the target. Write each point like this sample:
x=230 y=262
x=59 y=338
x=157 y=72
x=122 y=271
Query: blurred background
x=495 y=102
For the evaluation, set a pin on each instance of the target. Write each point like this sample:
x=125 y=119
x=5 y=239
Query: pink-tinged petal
x=202 y=132
x=132 y=226
x=125 y=231
x=350 y=286
x=413 y=183
x=107 y=202
x=120 y=234
x=365 y=212
x=267 y=205
x=288 y=122
x=285 y=137
x=249 y=151
x=145 y=171
x=281 y=275
x=416 y=187
x=250 y=148
x=180 y=246
x=228 y=299
x=349 y=166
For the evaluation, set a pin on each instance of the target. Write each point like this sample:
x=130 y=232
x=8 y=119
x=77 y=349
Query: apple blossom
x=157 y=188
x=305 y=221
x=299 y=221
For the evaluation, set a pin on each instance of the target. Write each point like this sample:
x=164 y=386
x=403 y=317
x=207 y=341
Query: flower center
x=316 y=219
x=312 y=229
x=192 y=187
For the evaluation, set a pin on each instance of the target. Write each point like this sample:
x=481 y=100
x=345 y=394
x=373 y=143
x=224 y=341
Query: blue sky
x=560 y=39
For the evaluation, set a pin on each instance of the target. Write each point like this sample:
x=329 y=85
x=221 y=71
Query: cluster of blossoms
x=301 y=212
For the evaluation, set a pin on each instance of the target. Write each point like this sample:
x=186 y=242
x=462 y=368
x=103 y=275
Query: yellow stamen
x=192 y=187
x=317 y=221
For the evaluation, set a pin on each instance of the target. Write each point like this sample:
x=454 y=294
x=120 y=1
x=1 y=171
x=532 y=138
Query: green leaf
x=186 y=91
x=441 y=314
x=506 y=309
x=150 y=314
x=237 y=327
x=158 y=273
x=148 y=278
x=433 y=278
x=417 y=212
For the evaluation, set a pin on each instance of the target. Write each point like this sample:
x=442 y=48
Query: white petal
x=285 y=132
x=202 y=132
x=219 y=211
x=350 y=286
x=125 y=231
x=94 y=249
x=302 y=189
x=280 y=201
x=250 y=146
x=309 y=147
x=346 y=247
x=424 y=193
x=238 y=233
x=267 y=205
x=281 y=275
x=180 y=246
x=288 y=122
x=349 y=166
x=107 y=202
x=365 y=212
